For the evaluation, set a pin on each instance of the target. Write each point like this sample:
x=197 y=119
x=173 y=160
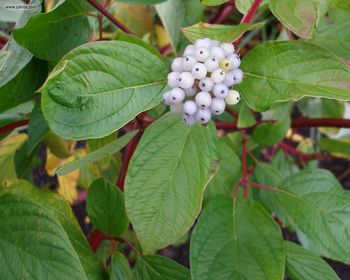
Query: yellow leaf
x=67 y=184
x=8 y=148
x=162 y=36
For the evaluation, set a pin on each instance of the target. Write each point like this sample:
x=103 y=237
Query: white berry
x=215 y=43
x=177 y=108
x=177 y=95
x=237 y=76
x=189 y=61
x=228 y=48
x=172 y=79
x=206 y=84
x=220 y=90
x=202 y=54
x=217 y=106
x=166 y=98
x=218 y=76
x=190 y=51
x=203 y=116
x=177 y=65
x=217 y=52
x=189 y=120
x=185 y=80
x=203 y=99
x=225 y=65
x=233 y=97
x=199 y=71
x=235 y=61
x=203 y=43
x=191 y=91
x=190 y=107
x=212 y=63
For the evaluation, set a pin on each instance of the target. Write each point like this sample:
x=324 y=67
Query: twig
x=127 y=242
x=300 y=154
x=130 y=149
x=223 y=13
x=12 y=126
x=116 y=22
x=261 y=186
x=251 y=12
x=232 y=112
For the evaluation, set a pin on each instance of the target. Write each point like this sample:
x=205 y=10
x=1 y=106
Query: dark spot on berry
x=201 y=52
x=197 y=69
x=202 y=119
x=222 y=92
x=187 y=59
x=226 y=64
x=237 y=98
x=203 y=84
x=217 y=111
x=213 y=59
x=174 y=98
x=203 y=106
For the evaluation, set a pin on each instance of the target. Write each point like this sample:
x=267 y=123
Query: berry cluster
x=201 y=79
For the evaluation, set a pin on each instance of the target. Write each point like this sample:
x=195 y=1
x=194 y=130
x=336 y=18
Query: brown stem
x=100 y=8
x=222 y=14
x=300 y=154
x=251 y=12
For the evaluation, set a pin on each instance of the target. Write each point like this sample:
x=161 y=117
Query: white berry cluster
x=201 y=79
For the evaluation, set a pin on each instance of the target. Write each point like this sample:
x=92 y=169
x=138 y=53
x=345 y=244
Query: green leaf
x=213 y=2
x=244 y=5
x=99 y=87
x=337 y=147
x=299 y=16
x=223 y=33
x=246 y=118
x=270 y=133
x=229 y=170
x=24 y=161
x=57 y=31
x=236 y=239
x=22 y=87
x=19 y=57
x=166 y=179
x=58 y=146
x=175 y=14
x=336 y=38
x=61 y=210
x=304 y=265
x=289 y=70
x=315 y=204
x=148 y=2
x=159 y=268
x=107 y=150
x=33 y=243
x=37 y=129
x=119 y=268
x=105 y=207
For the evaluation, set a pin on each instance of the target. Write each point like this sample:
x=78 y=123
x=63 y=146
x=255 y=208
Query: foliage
x=81 y=122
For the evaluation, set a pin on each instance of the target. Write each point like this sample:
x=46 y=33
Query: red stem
x=127 y=242
x=12 y=126
x=296 y=123
x=251 y=12
x=95 y=240
x=300 y=154
x=3 y=40
x=261 y=186
x=232 y=112
x=116 y=22
x=130 y=149
x=223 y=13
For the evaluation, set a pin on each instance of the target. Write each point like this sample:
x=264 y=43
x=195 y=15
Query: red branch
x=223 y=13
x=261 y=186
x=296 y=123
x=12 y=126
x=298 y=153
x=130 y=149
x=116 y=22
x=251 y=12
x=232 y=112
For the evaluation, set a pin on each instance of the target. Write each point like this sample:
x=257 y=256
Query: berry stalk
x=248 y=18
